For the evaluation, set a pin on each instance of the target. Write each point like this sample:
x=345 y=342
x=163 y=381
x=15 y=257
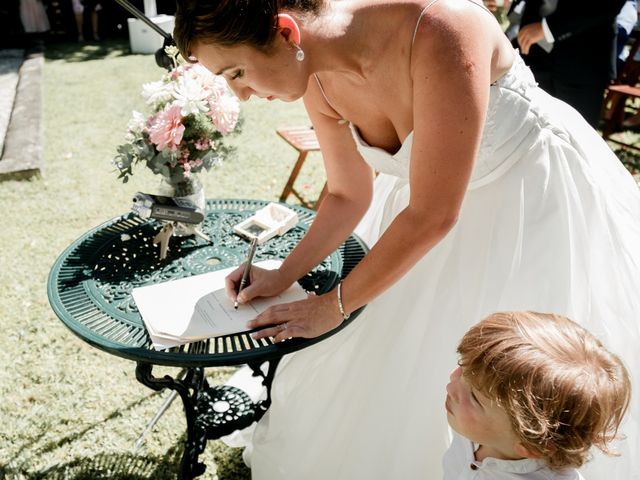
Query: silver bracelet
x=345 y=316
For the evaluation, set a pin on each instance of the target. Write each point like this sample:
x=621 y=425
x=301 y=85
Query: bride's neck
x=333 y=40
x=352 y=36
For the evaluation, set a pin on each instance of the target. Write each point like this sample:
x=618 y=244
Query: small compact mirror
x=266 y=223
x=255 y=229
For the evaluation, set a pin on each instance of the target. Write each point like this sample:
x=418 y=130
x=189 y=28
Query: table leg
x=211 y=412
x=196 y=441
x=161 y=411
x=267 y=381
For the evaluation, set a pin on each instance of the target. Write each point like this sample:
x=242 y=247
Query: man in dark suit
x=570 y=47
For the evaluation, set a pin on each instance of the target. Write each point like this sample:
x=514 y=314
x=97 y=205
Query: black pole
x=141 y=16
x=162 y=59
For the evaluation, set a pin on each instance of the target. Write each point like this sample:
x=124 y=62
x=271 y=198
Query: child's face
x=478 y=418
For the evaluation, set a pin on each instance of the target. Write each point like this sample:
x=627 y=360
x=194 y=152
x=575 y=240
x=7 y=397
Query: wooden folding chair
x=304 y=140
x=621 y=100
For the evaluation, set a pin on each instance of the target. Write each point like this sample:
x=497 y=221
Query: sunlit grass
x=67 y=409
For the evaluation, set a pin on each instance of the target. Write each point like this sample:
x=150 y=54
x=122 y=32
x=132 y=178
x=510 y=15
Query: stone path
x=10 y=61
x=21 y=125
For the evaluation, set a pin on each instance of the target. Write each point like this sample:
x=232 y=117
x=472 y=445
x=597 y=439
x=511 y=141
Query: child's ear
x=524 y=452
x=289 y=28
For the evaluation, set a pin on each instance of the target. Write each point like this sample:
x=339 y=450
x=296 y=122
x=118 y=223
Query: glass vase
x=187 y=190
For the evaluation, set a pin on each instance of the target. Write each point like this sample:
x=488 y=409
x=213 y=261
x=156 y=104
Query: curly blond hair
x=562 y=390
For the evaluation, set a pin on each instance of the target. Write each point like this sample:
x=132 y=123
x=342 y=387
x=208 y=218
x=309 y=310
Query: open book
x=197 y=307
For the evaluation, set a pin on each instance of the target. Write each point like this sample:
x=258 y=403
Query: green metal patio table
x=90 y=286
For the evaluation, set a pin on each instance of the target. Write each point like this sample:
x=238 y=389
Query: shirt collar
x=525 y=465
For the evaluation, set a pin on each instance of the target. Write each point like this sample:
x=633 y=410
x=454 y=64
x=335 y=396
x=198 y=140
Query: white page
x=196 y=307
x=214 y=312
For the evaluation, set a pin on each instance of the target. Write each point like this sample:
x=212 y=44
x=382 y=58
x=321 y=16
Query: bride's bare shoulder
x=457 y=31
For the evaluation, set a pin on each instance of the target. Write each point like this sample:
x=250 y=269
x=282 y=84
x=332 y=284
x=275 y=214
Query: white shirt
x=460 y=464
x=628 y=16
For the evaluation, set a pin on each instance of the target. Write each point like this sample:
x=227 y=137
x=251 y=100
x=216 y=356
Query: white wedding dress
x=550 y=222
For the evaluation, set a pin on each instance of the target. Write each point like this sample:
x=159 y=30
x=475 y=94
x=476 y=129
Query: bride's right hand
x=261 y=283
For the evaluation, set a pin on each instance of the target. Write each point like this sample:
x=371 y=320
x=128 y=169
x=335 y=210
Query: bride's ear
x=289 y=28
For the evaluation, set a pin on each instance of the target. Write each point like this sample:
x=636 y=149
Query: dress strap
x=342 y=120
x=424 y=10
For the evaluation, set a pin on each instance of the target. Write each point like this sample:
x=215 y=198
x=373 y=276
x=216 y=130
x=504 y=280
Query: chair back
x=630 y=72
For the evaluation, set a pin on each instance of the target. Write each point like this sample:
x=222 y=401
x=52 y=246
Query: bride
x=491 y=195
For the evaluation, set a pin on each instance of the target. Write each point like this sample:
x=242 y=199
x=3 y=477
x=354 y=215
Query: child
x=532 y=394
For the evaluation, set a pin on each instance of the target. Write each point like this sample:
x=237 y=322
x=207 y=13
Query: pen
x=247 y=268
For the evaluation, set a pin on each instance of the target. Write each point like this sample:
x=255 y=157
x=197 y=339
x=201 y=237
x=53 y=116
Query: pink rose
x=167 y=129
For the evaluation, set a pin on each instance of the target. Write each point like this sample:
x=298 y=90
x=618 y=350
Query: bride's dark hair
x=233 y=22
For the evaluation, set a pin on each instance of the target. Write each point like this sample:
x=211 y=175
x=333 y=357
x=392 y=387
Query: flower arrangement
x=192 y=110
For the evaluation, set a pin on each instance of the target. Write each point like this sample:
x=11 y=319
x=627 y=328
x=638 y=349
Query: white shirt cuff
x=548 y=36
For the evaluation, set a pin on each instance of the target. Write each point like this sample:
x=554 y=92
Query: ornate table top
x=90 y=283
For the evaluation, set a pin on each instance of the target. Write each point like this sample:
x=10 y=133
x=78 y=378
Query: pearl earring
x=299 y=53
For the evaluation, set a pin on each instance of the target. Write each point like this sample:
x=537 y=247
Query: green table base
x=90 y=288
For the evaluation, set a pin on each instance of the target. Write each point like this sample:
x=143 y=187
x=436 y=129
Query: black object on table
x=90 y=286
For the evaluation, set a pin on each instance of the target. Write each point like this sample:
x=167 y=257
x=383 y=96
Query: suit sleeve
x=572 y=17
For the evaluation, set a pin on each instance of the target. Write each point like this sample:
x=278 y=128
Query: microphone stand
x=162 y=59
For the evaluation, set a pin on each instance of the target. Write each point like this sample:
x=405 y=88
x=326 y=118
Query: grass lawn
x=69 y=410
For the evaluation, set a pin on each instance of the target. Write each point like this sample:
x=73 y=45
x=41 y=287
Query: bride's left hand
x=307 y=318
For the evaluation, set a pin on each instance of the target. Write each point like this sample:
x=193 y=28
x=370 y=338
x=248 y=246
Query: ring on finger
x=283 y=326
